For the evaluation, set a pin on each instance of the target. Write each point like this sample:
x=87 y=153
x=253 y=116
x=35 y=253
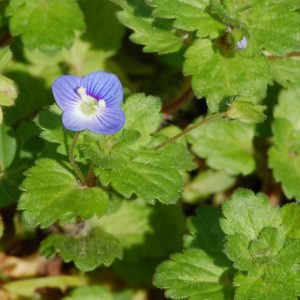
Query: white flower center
x=89 y=104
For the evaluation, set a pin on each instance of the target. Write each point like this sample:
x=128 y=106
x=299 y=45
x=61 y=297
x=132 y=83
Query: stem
x=76 y=168
x=190 y=128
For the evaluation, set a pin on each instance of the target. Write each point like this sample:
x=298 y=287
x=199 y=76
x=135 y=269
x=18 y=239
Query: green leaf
x=143 y=115
x=27 y=287
x=205 y=184
x=246 y=112
x=284 y=155
x=190 y=16
x=259 y=244
x=259 y=18
x=99 y=293
x=279 y=280
x=53 y=131
x=226 y=146
x=8 y=91
x=144 y=230
x=149 y=174
x=216 y=76
x=8 y=147
x=193 y=275
x=52 y=193
x=88 y=251
x=291 y=220
x=47 y=25
x=246 y=215
x=286 y=71
x=155 y=35
x=5 y=57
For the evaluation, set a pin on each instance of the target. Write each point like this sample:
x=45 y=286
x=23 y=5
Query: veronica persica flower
x=242 y=44
x=90 y=102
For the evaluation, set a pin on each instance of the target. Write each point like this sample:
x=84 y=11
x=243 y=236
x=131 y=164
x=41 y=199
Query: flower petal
x=106 y=86
x=73 y=120
x=107 y=121
x=64 y=90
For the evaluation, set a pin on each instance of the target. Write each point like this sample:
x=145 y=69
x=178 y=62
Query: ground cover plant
x=150 y=149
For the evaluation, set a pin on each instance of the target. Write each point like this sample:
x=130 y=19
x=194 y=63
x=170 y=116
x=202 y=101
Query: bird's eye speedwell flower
x=242 y=44
x=90 y=102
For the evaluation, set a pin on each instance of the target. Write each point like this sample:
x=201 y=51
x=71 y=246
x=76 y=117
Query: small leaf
x=8 y=147
x=155 y=35
x=189 y=16
x=33 y=18
x=88 y=252
x=291 y=220
x=5 y=57
x=215 y=76
x=8 y=91
x=246 y=112
x=58 y=196
x=193 y=275
x=225 y=145
x=284 y=155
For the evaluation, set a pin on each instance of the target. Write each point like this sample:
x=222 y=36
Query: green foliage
x=58 y=196
x=284 y=156
x=189 y=16
x=32 y=19
x=216 y=76
x=98 y=293
x=88 y=250
x=206 y=184
x=155 y=35
x=202 y=270
x=260 y=242
x=8 y=147
x=227 y=145
x=259 y=18
x=246 y=112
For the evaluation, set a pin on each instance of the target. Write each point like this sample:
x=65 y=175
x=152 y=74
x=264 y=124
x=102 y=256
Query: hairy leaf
x=226 y=146
x=216 y=76
x=88 y=251
x=52 y=193
x=155 y=35
x=48 y=25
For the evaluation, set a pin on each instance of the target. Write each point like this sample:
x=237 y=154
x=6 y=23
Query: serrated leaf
x=190 y=16
x=259 y=18
x=149 y=174
x=258 y=244
x=246 y=216
x=50 y=123
x=145 y=231
x=193 y=275
x=33 y=18
x=143 y=115
x=284 y=157
x=246 y=112
x=88 y=252
x=52 y=193
x=205 y=231
x=216 y=76
x=8 y=147
x=286 y=71
x=277 y=281
x=225 y=145
x=155 y=35
x=205 y=184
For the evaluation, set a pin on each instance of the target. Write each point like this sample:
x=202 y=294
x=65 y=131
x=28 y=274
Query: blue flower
x=242 y=44
x=90 y=102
